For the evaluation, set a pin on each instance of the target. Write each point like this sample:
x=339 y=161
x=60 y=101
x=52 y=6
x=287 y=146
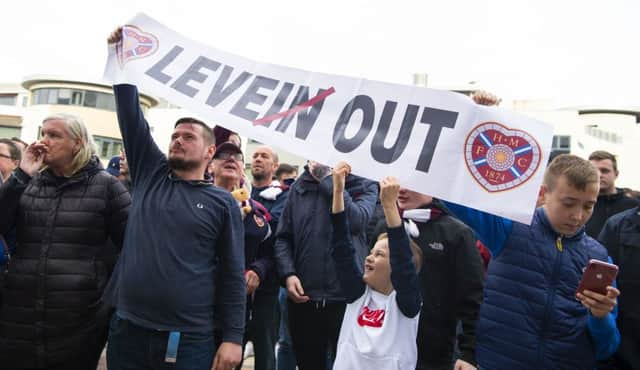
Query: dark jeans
x=132 y=347
x=314 y=328
x=286 y=358
x=262 y=329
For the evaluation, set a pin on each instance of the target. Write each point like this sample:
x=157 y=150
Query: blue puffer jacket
x=530 y=318
x=304 y=232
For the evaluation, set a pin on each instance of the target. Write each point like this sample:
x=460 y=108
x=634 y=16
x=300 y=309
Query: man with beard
x=272 y=194
x=183 y=252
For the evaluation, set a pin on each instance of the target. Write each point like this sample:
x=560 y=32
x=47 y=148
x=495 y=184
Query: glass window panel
x=105 y=149
x=37 y=96
x=8 y=99
x=90 y=99
x=52 y=96
x=64 y=96
x=106 y=101
x=76 y=97
x=115 y=148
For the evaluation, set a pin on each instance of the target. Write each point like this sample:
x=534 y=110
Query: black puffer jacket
x=51 y=311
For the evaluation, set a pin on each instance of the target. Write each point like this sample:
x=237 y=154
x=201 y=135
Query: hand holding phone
x=597 y=277
x=595 y=291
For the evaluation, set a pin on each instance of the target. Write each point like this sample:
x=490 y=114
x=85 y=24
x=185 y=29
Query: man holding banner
x=183 y=235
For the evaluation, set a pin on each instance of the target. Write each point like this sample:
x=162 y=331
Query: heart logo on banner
x=136 y=44
x=500 y=158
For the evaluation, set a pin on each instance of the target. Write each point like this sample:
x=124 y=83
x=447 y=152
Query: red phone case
x=597 y=276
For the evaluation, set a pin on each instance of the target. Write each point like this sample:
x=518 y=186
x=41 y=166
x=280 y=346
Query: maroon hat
x=222 y=134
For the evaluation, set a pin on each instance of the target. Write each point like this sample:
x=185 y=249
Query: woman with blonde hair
x=65 y=208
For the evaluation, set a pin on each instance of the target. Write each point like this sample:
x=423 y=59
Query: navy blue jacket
x=258 y=243
x=269 y=284
x=404 y=277
x=530 y=318
x=274 y=206
x=303 y=240
x=621 y=237
x=179 y=233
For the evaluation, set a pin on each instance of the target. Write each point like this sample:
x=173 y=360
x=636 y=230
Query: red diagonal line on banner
x=309 y=103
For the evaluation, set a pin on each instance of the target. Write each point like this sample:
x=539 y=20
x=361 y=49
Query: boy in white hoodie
x=381 y=319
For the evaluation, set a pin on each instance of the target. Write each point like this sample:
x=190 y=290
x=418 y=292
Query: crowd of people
x=177 y=261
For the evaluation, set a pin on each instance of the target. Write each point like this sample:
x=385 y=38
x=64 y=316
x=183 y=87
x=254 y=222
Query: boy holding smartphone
x=531 y=317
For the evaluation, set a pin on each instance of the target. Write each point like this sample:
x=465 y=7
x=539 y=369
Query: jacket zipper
x=559 y=243
x=550 y=299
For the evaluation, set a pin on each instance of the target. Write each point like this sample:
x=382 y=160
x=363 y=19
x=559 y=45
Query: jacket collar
x=207 y=181
x=611 y=197
x=91 y=168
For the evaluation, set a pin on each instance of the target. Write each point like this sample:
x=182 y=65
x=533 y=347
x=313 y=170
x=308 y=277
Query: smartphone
x=597 y=276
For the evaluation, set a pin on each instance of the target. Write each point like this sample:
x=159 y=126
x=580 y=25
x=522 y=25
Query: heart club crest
x=500 y=158
x=135 y=44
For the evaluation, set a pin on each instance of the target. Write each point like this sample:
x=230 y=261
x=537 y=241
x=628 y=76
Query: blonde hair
x=78 y=131
x=578 y=172
x=416 y=252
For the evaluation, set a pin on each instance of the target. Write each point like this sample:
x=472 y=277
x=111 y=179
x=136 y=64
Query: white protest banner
x=435 y=142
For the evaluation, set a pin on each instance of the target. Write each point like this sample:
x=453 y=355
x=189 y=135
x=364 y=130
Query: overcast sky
x=576 y=52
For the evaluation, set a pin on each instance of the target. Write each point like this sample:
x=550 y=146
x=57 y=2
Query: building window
x=595 y=131
x=561 y=144
x=8 y=99
x=107 y=147
x=86 y=98
x=9 y=131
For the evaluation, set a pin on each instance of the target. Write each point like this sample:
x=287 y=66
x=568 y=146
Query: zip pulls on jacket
x=559 y=243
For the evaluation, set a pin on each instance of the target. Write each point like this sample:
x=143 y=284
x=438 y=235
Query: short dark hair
x=578 y=172
x=14 y=151
x=601 y=155
x=207 y=132
x=285 y=168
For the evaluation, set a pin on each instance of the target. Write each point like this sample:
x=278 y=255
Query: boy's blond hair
x=578 y=172
x=415 y=251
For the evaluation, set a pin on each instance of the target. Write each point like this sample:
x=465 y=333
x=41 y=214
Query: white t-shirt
x=376 y=335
